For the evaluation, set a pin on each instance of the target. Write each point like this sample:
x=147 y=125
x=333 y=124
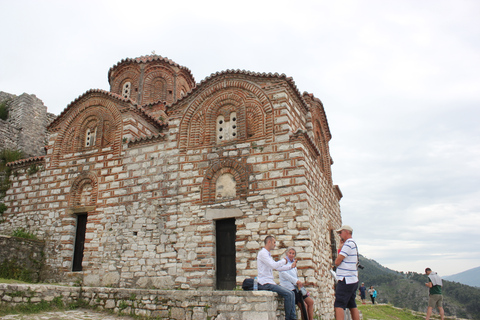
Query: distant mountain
x=407 y=290
x=470 y=277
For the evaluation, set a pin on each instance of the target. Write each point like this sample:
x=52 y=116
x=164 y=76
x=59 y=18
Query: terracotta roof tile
x=112 y=95
x=248 y=73
x=25 y=161
x=149 y=58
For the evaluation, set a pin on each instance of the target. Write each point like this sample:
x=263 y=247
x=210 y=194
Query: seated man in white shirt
x=265 y=266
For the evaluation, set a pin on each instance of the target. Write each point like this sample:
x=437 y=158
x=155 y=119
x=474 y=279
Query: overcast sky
x=400 y=82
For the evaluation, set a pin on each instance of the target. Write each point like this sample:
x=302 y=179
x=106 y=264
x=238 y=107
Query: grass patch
x=32 y=308
x=386 y=312
x=3 y=280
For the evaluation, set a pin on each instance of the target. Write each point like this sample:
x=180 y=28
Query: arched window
x=226 y=129
x=127 y=86
x=90 y=137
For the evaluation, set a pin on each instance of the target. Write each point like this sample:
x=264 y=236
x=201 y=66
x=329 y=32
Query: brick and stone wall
x=154 y=189
x=164 y=304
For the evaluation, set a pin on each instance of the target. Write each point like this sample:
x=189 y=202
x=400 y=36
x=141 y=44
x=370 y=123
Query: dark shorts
x=298 y=296
x=345 y=295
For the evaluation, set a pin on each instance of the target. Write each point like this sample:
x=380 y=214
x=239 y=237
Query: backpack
x=247 y=284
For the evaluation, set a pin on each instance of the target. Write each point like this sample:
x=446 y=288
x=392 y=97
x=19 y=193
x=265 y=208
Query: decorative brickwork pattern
x=84 y=190
x=236 y=169
x=252 y=107
x=131 y=74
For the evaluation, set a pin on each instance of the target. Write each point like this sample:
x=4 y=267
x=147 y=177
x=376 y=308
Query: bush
x=3 y=110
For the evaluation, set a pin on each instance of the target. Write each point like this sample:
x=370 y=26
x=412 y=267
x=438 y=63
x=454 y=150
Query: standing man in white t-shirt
x=265 y=266
x=347 y=276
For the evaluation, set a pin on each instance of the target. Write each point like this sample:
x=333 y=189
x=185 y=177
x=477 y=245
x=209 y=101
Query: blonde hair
x=291 y=248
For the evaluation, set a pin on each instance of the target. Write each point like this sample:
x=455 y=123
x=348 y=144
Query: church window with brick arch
x=90 y=133
x=90 y=137
x=126 y=89
x=226 y=127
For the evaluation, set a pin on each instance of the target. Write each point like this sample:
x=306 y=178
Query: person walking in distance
x=373 y=294
x=265 y=266
x=347 y=276
x=362 y=290
x=435 y=298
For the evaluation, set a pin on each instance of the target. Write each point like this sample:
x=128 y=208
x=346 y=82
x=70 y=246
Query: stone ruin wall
x=25 y=128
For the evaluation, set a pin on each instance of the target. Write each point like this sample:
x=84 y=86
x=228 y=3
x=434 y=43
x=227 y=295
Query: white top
x=289 y=278
x=348 y=268
x=265 y=266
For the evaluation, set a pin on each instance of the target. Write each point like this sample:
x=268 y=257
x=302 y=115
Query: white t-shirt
x=348 y=268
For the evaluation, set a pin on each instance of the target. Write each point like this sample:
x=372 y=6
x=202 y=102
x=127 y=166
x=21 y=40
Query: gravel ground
x=82 y=314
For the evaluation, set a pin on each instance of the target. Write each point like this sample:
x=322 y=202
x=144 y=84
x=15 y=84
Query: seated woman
x=289 y=279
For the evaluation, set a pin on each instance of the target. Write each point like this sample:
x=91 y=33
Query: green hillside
x=407 y=290
x=470 y=277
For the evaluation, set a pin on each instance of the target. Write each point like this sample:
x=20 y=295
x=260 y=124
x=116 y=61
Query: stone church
x=166 y=183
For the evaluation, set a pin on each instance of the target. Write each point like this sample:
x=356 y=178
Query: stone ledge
x=168 y=304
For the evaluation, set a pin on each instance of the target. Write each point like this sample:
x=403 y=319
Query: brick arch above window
x=71 y=136
x=239 y=171
x=84 y=191
x=240 y=97
x=158 y=85
x=130 y=74
x=92 y=130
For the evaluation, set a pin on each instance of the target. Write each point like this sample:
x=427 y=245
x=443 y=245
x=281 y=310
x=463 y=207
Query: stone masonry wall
x=25 y=255
x=25 y=128
x=164 y=304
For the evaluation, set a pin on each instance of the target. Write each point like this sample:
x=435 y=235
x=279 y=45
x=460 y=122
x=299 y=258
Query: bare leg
x=429 y=313
x=440 y=310
x=355 y=314
x=339 y=314
x=309 y=303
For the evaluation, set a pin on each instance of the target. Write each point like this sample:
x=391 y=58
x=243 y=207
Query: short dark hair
x=427 y=269
x=267 y=239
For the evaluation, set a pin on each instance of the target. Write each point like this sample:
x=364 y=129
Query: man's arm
x=339 y=259
x=268 y=260
x=287 y=267
x=429 y=284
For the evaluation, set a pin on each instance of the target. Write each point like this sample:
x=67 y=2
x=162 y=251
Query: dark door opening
x=79 y=242
x=226 y=267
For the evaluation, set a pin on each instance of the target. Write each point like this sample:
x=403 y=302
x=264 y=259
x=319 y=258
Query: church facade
x=166 y=183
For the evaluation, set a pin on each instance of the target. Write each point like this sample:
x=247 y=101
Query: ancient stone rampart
x=25 y=127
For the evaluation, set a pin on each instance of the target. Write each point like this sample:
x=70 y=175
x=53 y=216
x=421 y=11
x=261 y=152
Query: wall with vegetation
x=21 y=259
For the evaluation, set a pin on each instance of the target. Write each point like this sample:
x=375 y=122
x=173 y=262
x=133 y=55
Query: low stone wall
x=24 y=257
x=163 y=304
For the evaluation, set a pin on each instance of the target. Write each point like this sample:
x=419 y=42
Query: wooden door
x=79 y=242
x=226 y=266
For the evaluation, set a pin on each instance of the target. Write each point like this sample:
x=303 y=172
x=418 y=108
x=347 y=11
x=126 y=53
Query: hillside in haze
x=407 y=290
x=470 y=277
